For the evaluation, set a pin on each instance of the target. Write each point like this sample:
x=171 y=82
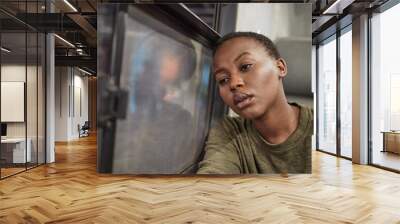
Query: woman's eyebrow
x=218 y=71
x=237 y=58
x=240 y=55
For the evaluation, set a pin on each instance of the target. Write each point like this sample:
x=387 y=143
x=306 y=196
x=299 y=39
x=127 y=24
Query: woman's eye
x=223 y=81
x=245 y=67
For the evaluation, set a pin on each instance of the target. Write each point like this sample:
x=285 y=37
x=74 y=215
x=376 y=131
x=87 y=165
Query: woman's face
x=248 y=77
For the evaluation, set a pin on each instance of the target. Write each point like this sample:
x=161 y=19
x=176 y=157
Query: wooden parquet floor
x=10 y=171
x=70 y=191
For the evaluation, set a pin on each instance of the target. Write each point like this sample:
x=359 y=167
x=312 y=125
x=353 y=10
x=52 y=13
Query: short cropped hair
x=267 y=43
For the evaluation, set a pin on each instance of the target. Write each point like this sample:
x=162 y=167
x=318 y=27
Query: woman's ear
x=282 y=67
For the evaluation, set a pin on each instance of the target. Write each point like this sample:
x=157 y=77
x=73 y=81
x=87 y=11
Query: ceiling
x=77 y=25
x=76 y=22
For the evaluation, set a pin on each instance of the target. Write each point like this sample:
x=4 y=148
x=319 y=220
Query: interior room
x=22 y=100
x=54 y=167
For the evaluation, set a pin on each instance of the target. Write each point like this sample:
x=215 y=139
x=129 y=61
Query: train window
x=164 y=77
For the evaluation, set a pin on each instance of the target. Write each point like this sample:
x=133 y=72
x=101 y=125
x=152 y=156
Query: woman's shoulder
x=306 y=118
x=235 y=123
x=305 y=109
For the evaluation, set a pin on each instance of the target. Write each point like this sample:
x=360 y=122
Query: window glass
x=166 y=75
x=385 y=85
x=327 y=96
x=15 y=149
x=345 y=94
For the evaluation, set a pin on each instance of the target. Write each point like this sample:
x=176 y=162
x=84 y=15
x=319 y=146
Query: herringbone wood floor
x=70 y=191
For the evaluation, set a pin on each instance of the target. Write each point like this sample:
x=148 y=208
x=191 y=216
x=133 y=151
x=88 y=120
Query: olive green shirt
x=236 y=147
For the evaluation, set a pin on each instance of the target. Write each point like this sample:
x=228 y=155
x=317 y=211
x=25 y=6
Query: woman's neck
x=279 y=121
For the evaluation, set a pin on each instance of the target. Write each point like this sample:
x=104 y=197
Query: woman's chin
x=249 y=113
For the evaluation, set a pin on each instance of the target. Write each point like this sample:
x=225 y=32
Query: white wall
x=12 y=100
x=292 y=37
x=80 y=94
x=13 y=73
x=71 y=94
x=62 y=81
x=33 y=126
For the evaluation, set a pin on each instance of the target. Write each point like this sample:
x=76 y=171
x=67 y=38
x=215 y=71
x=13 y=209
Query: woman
x=271 y=135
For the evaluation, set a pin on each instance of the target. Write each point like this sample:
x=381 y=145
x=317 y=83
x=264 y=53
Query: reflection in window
x=167 y=77
x=327 y=97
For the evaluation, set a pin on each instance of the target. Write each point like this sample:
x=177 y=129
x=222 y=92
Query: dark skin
x=250 y=83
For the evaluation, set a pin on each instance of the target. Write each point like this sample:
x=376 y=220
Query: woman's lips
x=242 y=100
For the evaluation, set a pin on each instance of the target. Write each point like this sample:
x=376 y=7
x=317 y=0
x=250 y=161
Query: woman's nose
x=236 y=82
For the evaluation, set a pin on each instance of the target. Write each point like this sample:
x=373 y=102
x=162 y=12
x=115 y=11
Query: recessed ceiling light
x=5 y=49
x=84 y=71
x=70 y=5
x=64 y=40
x=337 y=7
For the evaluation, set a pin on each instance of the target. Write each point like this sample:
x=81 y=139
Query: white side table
x=19 y=153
